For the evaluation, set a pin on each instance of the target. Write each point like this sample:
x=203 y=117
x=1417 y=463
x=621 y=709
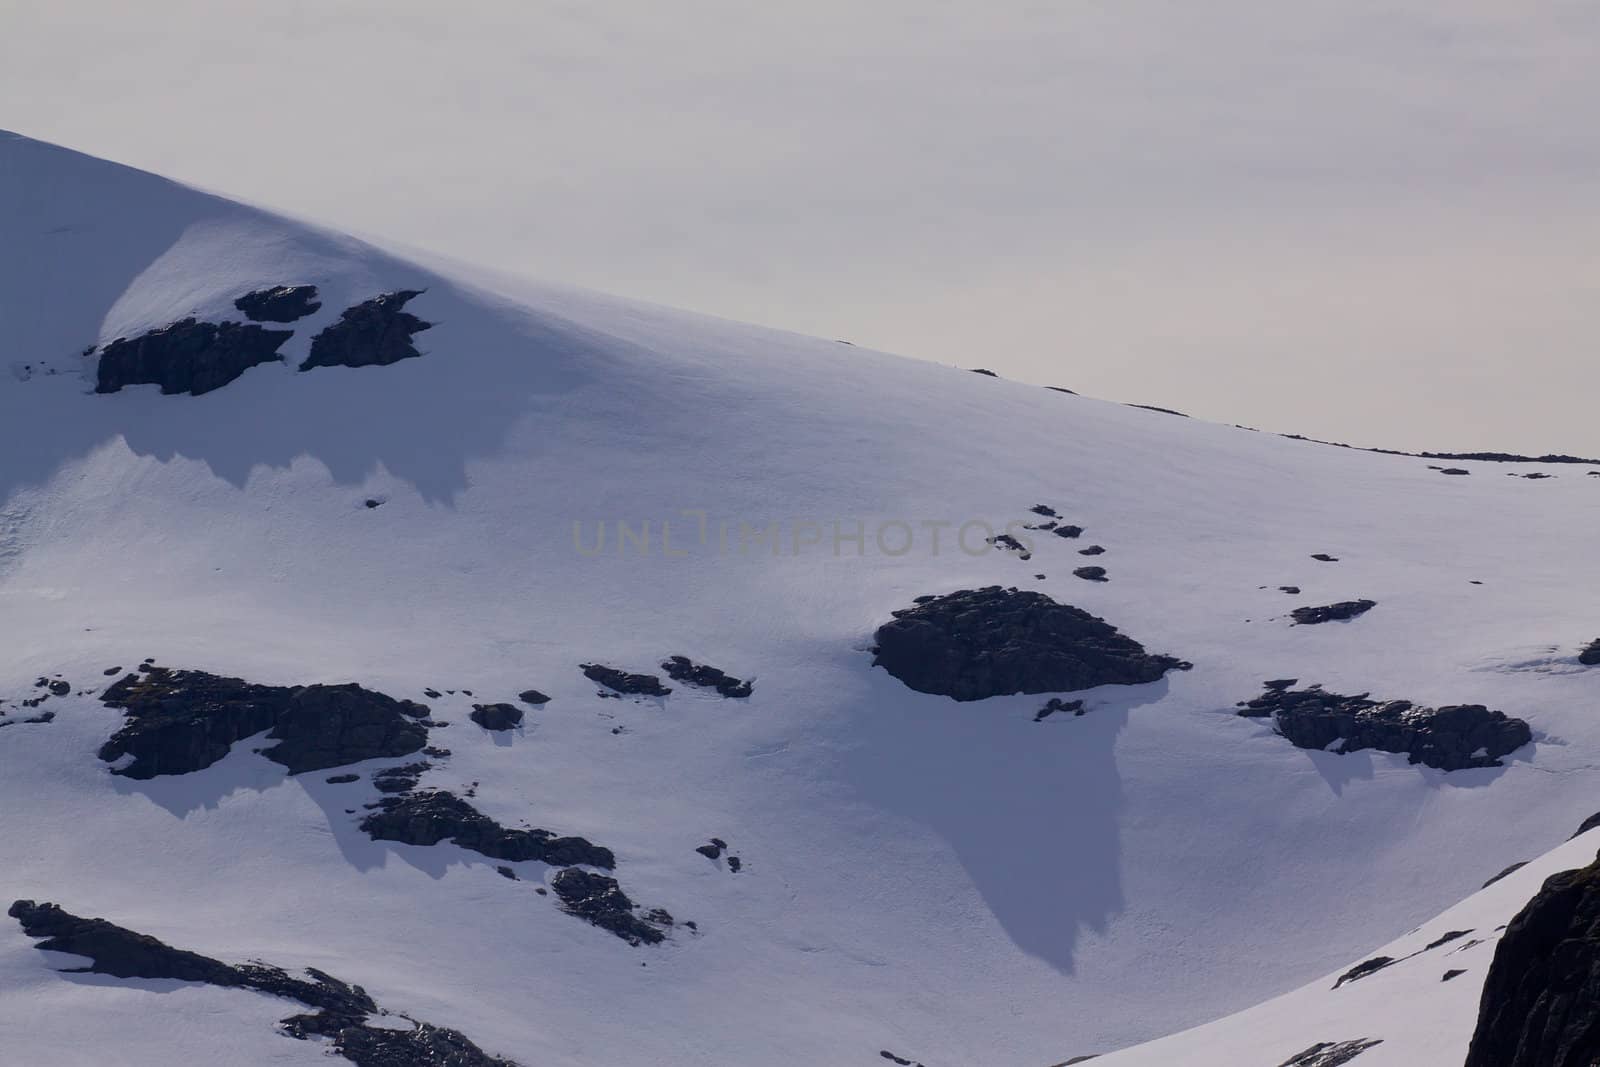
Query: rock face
x=187 y=357
x=598 y=899
x=496 y=716
x=1344 y=609
x=432 y=816
x=979 y=643
x=341 y=1009
x=182 y=721
x=1450 y=738
x=623 y=682
x=1590 y=656
x=375 y=333
x=682 y=669
x=284 y=303
x=1541 y=999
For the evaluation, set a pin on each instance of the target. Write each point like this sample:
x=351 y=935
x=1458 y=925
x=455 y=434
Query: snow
x=952 y=882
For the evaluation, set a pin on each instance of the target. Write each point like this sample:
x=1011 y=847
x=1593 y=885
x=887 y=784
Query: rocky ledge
x=178 y=721
x=1450 y=738
x=978 y=643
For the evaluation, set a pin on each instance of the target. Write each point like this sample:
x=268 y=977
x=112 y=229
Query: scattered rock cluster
x=341 y=1011
x=1449 y=738
x=978 y=643
x=622 y=682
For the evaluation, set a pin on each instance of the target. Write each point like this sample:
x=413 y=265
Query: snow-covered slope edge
x=1419 y=1009
x=957 y=883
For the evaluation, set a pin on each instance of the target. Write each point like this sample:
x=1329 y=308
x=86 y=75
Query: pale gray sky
x=1372 y=220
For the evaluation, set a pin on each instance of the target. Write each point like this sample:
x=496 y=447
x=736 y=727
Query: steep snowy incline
x=950 y=881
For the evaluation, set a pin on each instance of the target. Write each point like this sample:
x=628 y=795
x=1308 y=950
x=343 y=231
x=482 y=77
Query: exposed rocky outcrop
x=597 y=898
x=1344 y=609
x=180 y=721
x=533 y=696
x=1514 y=868
x=374 y=333
x=496 y=716
x=1323 y=557
x=1590 y=656
x=1541 y=999
x=1092 y=550
x=1055 y=704
x=187 y=357
x=1331 y=1053
x=682 y=669
x=283 y=303
x=623 y=682
x=400 y=779
x=1450 y=738
x=1091 y=574
x=979 y=643
x=341 y=1010
x=1364 y=968
x=433 y=815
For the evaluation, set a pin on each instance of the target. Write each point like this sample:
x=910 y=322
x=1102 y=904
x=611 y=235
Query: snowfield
x=952 y=882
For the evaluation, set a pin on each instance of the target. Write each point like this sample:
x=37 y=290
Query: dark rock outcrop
x=341 y=1010
x=1055 y=704
x=623 y=682
x=187 y=357
x=1091 y=574
x=496 y=716
x=1331 y=1053
x=533 y=696
x=1323 y=557
x=400 y=779
x=433 y=815
x=1450 y=738
x=181 y=721
x=979 y=643
x=374 y=333
x=682 y=669
x=1362 y=969
x=1092 y=550
x=283 y=303
x=597 y=898
x=1514 y=868
x=1590 y=656
x=1067 y=531
x=1540 y=1005
x=1344 y=609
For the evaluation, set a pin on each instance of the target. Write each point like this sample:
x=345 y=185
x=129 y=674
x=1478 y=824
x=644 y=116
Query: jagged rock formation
x=682 y=669
x=496 y=716
x=978 y=643
x=433 y=815
x=1450 y=738
x=1331 y=1053
x=341 y=1012
x=374 y=333
x=1344 y=609
x=623 y=682
x=597 y=898
x=181 y=721
x=187 y=357
x=1541 y=999
x=283 y=303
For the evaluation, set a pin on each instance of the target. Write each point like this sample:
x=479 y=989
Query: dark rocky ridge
x=682 y=669
x=1331 y=1053
x=341 y=1009
x=1541 y=999
x=1344 y=609
x=1590 y=656
x=433 y=815
x=180 y=721
x=374 y=333
x=978 y=643
x=283 y=303
x=623 y=682
x=187 y=357
x=1450 y=738
x=597 y=898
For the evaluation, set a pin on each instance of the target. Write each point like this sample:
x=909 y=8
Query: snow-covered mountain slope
x=953 y=882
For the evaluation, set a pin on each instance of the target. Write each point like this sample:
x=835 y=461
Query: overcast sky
x=1371 y=220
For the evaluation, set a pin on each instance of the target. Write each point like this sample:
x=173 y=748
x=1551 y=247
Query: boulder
x=496 y=716
x=978 y=643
